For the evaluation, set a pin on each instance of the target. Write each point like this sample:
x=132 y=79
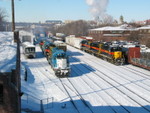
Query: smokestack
x=97 y=7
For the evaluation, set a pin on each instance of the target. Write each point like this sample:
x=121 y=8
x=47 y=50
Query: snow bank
x=7 y=52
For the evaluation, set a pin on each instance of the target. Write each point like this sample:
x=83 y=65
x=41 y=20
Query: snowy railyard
x=94 y=86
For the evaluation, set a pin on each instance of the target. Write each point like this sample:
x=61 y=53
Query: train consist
x=106 y=51
x=55 y=53
x=117 y=52
x=28 y=49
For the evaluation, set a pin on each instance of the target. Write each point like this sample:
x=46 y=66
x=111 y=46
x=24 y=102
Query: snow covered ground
x=7 y=52
x=94 y=85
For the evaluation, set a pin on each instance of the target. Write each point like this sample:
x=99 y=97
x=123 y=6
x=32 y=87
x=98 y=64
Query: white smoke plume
x=97 y=7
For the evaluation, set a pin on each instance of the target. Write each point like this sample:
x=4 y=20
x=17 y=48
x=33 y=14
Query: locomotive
x=57 y=57
x=104 y=50
x=59 y=61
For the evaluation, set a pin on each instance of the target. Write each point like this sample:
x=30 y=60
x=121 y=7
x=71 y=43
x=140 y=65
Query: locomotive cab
x=117 y=54
x=85 y=45
x=60 y=63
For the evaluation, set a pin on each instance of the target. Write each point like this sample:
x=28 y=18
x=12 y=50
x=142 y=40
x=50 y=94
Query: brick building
x=111 y=33
x=144 y=34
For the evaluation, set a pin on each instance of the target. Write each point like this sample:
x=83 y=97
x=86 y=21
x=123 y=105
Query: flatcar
x=28 y=49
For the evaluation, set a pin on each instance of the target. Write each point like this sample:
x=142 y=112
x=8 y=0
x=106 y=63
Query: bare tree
x=107 y=20
x=78 y=28
x=2 y=19
x=134 y=36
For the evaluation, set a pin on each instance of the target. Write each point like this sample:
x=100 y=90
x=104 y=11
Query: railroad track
x=65 y=89
x=119 y=73
x=99 y=87
x=67 y=93
x=119 y=84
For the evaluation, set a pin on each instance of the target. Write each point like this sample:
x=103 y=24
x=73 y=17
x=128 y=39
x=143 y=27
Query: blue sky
x=41 y=10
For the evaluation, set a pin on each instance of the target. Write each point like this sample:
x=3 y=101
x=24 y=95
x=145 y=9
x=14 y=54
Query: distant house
x=110 y=33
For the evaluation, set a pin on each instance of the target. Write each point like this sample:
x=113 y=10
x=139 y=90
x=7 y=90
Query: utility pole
x=13 y=15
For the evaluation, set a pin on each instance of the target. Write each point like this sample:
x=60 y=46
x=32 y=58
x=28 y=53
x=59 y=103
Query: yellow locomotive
x=106 y=51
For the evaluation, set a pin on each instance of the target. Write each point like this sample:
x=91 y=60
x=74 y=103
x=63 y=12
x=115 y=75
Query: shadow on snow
x=80 y=69
x=74 y=53
x=86 y=107
x=28 y=72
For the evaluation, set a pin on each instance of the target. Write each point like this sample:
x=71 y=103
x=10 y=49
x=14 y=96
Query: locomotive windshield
x=61 y=56
x=30 y=50
x=113 y=49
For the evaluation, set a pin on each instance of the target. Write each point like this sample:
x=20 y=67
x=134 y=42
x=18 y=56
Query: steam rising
x=97 y=7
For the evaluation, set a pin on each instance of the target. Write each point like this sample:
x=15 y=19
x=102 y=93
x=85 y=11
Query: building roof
x=116 y=28
x=7 y=52
x=144 y=27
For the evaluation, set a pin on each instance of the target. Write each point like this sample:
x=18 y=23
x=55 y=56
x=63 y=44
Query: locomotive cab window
x=29 y=50
x=94 y=45
x=113 y=49
x=84 y=42
x=61 y=56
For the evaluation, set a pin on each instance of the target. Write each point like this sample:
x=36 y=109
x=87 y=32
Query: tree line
x=3 y=16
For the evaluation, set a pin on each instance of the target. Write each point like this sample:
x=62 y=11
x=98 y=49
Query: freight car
x=60 y=45
x=28 y=49
x=59 y=61
x=76 y=41
x=135 y=58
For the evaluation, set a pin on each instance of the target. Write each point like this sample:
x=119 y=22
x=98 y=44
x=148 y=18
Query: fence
x=34 y=104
